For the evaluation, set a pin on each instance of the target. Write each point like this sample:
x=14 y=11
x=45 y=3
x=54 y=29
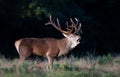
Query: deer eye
x=78 y=40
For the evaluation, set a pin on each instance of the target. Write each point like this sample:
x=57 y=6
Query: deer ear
x=65 y=35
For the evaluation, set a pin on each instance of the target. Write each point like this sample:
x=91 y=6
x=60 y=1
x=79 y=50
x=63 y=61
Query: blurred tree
x=31 y=9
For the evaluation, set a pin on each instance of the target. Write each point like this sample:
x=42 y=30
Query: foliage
x=37 y=8
x=31 y=9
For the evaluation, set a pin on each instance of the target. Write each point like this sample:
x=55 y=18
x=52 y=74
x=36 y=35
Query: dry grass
x=80 y=66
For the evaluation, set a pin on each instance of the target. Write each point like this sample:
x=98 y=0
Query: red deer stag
x=50 y=47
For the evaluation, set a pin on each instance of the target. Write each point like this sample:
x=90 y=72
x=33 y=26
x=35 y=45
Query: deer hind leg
x=24 y=53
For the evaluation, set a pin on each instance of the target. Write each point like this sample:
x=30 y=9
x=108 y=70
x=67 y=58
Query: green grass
x=105 y=59
x=106 y=66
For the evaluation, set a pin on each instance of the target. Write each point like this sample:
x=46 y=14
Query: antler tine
x=51 y=18
x=58 y=23
x=72 y=22
x=76 y=21
x=76 y=30
x=67 y=26
x=49 y=22
x=72 y=28
x=79 y=26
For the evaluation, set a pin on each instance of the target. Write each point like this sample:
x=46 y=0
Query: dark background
x=26 y=18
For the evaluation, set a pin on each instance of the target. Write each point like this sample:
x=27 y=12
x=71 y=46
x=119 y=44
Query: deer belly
x=39 y=52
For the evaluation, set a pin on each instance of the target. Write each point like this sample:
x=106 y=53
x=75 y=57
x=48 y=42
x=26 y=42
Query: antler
x=70 y=29
x=58 y=27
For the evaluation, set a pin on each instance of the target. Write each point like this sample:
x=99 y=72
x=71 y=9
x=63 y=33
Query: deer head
x=71 y=32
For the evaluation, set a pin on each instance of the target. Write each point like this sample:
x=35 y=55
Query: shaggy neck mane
x=64 y=46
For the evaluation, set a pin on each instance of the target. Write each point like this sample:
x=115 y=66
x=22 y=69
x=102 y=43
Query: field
x=105 y=66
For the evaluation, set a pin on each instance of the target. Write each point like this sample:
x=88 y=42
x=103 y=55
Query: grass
x=105 y=66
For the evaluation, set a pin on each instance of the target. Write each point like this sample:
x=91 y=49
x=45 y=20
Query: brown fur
x=46 y=47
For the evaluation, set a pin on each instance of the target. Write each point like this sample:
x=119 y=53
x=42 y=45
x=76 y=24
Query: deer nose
x=78 y=40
